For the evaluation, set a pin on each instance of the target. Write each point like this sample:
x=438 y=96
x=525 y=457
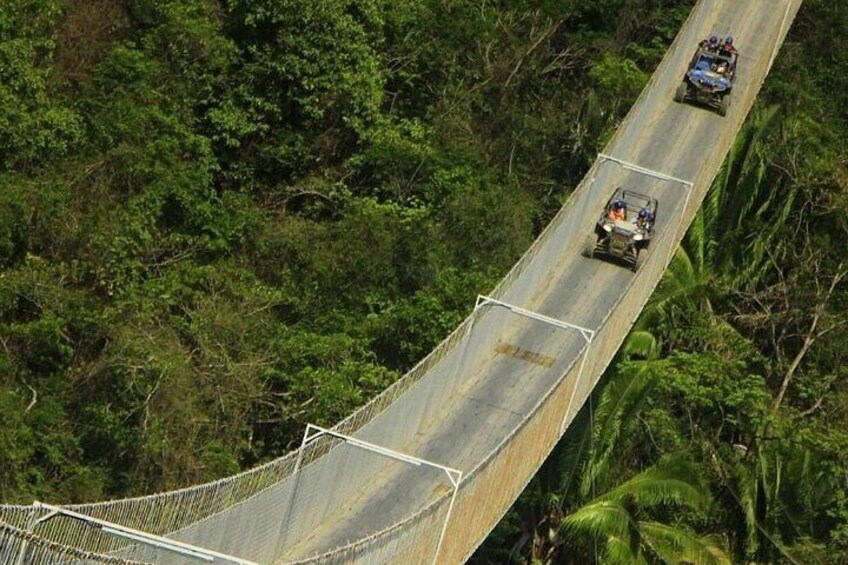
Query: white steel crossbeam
x=587 y=334
x=454 y=475
x=645 y=171
x=139 y=536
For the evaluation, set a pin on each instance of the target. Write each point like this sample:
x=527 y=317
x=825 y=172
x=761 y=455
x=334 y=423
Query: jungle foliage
x=221 y=220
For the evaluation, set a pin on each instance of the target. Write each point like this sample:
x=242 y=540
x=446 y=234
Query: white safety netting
x=490 y=401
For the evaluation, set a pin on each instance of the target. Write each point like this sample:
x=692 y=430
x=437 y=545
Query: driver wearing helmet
x=618 y=211
x=711 y=44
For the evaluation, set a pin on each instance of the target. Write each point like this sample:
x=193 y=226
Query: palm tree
x=620 y=518
x=564 y=516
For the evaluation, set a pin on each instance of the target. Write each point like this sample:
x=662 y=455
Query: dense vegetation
x=214 y=229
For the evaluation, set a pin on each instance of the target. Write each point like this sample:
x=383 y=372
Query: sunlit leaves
x=33 y=126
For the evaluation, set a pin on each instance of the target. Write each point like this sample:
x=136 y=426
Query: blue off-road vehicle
x=709 y=80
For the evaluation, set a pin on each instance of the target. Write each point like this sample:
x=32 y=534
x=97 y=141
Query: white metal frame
x=644 y=170
x=484 y=300
x=139 y=536
x=453 y=475
x=587 y=334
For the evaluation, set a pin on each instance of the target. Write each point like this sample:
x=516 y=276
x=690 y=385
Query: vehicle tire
x=640 y=259
x=589 y=246
x=724 y=106
x=680 y=93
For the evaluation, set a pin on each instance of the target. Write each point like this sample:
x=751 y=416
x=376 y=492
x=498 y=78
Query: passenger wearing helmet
x=618 y=211
x=728 y=49
x=643 y=220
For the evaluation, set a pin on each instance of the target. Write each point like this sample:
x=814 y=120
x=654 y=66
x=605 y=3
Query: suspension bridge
x=424 y=471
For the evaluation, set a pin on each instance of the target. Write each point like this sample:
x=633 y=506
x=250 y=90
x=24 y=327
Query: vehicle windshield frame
x=713 y=58
x=636 y=200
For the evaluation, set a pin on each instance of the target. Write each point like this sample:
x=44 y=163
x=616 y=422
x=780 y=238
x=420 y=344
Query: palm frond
x=681 y=290
x=617 y=408
x=676 y=545
x=575 y=447
x=674 y=285
x=763 y=249
x=695 y=242
x=672 y=480
x=741 y=191
x=747 y=497
x=642 y=343
x=620 y=551
x=744 y=185
x=603 y=518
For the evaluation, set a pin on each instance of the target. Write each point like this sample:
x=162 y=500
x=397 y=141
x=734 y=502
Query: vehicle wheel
x=589 y=246
x=640 y=259
x=680 y=93
x=724 y=106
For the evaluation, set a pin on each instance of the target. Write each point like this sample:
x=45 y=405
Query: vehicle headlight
x=638 y=237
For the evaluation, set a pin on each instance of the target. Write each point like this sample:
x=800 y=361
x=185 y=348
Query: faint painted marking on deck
x=442 y=489
x=524 y=354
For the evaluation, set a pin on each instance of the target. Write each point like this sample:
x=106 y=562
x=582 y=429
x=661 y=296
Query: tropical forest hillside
x=223 y=219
